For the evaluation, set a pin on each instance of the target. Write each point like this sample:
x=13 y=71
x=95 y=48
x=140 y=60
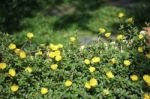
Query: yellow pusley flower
x=68 y=83
x=109 y=74
x=58 y=58
x=22 y=54
x=140 y=49
x=17 y=50
x=53 y=47
x=127 y=62
x=12 y=46
x=44 y=91
x=87 y=61
x=102 y=30
x=134 y=77
x=120 y=37
x=148 y=56
x=120 y=15
x=72 y=39
x=28 y=69
x=14 y=88
x=60 y=45
x=92 y=69
x=140 y=36
x=107 y=34
x=51 y=54
x=95 y=59
x=87 y=85
x=130 y=20
x=30 y=35
x=147 y=78
x=93 y=82
x=106 y=92
x=39 y=53
x=2 y=66
x=113 y=61
x=146 y=96
x=57 y=53
x=54 y=66
x=12 y=72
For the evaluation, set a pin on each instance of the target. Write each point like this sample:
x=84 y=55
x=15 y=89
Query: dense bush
x=116 y=68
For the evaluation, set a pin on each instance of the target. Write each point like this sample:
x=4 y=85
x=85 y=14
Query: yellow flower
x=82 y=47
x=12 y=46
x=121 y=14
x=148 y=56
x=60 y=45
x=51 y=54
x=39 y=52
x=53 y=47
x=22 y=54
x=130 y=20
x=140 y=36
x=146 y=79
x=12 y=72
x=68 y=83
x=95 y=59
x=87 y=85
x=17 y=50
x=102 y=30
x=134 y=77
x=57 y=53
x=54 y=66
x=58 y=58
x=120 y=37
x=93 y=82
x=44 y=90
x=14 y=88
x=30 y=35
x=127 y=62
x=146 y=96
x=140 y=49
x=72 y=39
x=2 y=66
x=106 y=92
x=113 y=61
x=109 y=74
x=28 y=69
x=87 y=61
x=91 y=69
x=107 y=34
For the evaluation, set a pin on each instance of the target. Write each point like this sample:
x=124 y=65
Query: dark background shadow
x=13 y=11
x=80 y=16
x=138 y=9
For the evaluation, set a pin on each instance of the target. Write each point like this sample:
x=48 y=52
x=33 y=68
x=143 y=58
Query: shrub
x=118 y=68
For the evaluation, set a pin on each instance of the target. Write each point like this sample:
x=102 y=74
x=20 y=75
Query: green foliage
x=72 y=67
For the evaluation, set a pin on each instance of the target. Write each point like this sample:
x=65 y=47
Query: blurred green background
x=52 y=20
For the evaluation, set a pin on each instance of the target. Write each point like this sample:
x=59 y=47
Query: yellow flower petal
x=12 y=46
x=14 y=88
x=44 y=90
x=93 y=82
x=68 y=83
x=2 y=66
